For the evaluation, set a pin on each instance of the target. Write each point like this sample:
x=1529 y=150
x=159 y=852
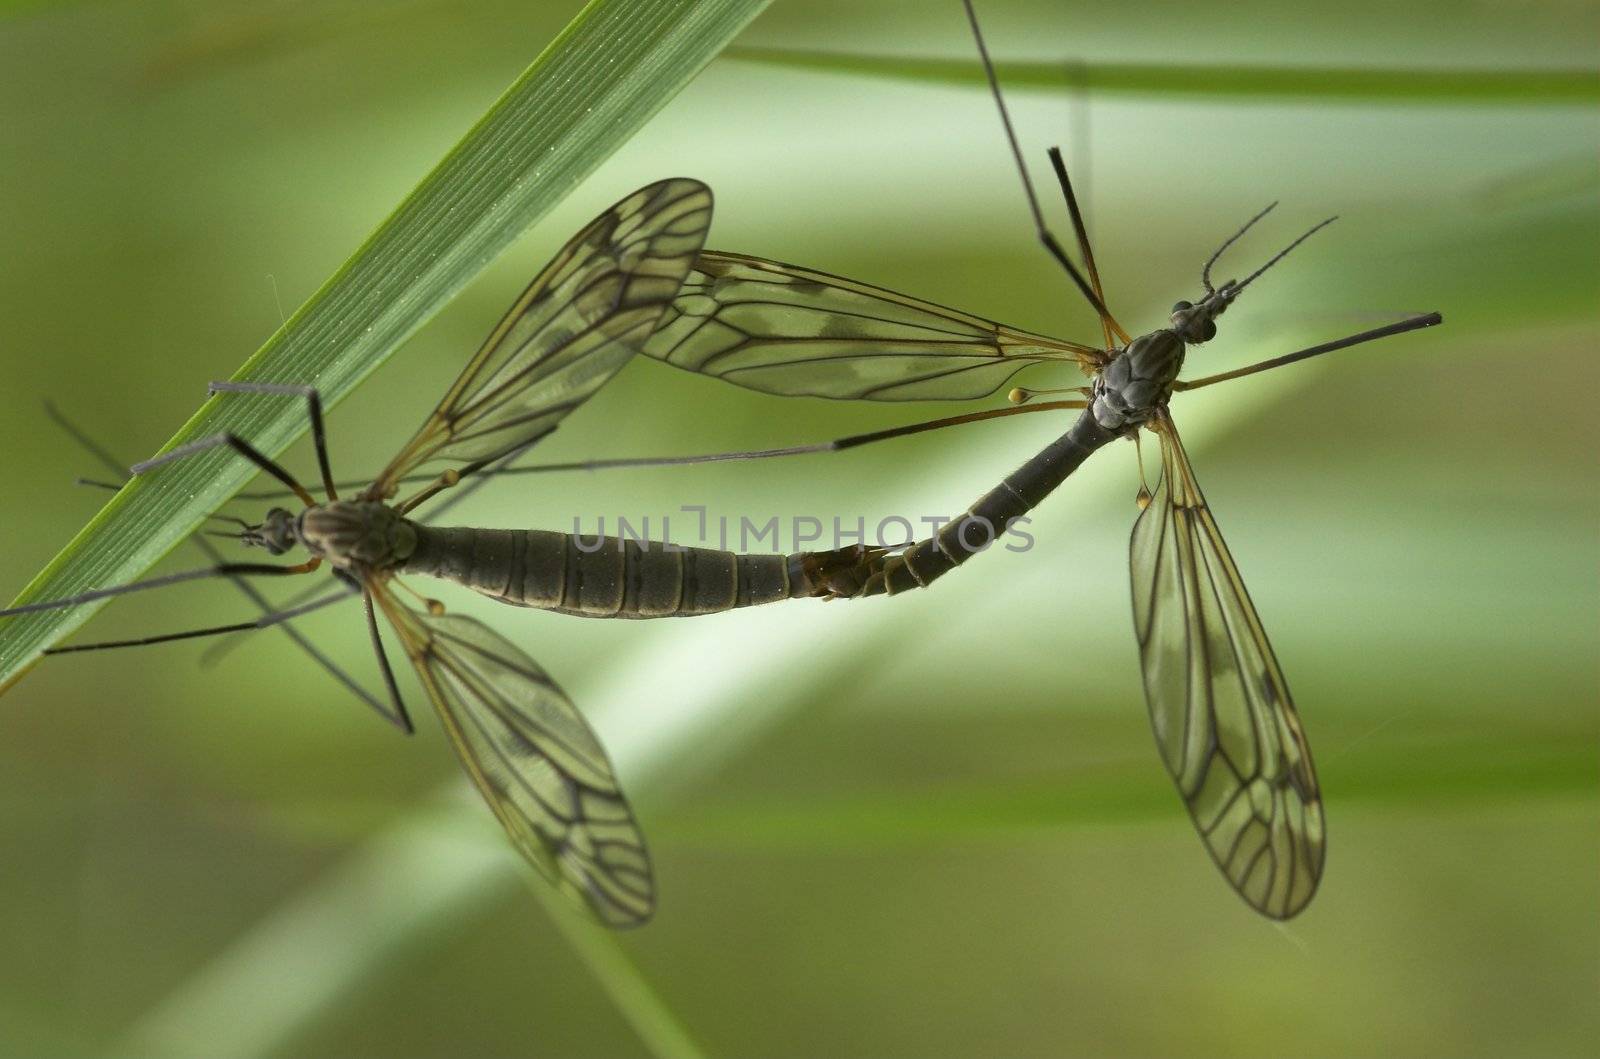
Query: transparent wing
x=534 y=758
x=576 y=325
x=793 y=331
x=1223 y=719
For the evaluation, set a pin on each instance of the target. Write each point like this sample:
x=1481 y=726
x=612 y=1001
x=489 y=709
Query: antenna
x=1281 y=253
x=1205 y=273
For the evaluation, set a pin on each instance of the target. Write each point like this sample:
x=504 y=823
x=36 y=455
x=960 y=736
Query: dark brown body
x=611 y=577
x=604 y=577
x=878 y=573
x=593 y=577
x=1133 y=386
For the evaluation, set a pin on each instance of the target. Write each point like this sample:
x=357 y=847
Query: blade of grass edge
x=601 y=79
x=1449 y=86
x=629 y=989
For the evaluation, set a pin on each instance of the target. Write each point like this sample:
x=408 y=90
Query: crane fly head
x=277 y=533
x=1197 y=322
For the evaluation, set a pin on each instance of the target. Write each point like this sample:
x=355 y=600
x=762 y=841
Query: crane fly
x=529 y=752
x=792 y=331
x=1224 y=721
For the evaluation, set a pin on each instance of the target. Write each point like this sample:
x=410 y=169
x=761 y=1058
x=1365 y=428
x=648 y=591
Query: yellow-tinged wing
x=534 y=759
x=580 y=320
x=794 y=331
x=1220 y=707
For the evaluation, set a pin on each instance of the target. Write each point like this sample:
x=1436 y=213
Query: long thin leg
x=401 y=718
x=835 y=445
x=219 y=570
x=396 y=716
x=266 y=621
x=1045 y=235
x=319 y=434
x=1415 y=323
x=221 y=648
x=239 y=445
x=115 y=465
x=1108 y=323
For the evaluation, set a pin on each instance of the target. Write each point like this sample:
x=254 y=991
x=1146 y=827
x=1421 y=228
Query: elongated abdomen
x=603 y=577
x=852 y=573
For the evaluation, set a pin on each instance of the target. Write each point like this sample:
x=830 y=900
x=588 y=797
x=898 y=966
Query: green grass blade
x=613 y=67
x=1454 y=87
x=658 y=1027
x=1435 y=768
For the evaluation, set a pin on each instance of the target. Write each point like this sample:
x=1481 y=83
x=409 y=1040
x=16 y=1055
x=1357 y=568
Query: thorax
x=1138 y=381
x=365 y=534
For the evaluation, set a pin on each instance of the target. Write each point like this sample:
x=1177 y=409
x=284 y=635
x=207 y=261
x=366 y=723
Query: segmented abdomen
x=986 y=521
x=603 y=577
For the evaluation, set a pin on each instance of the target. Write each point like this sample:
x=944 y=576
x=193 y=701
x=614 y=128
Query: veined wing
x=1223 y=719
x=575 y=326
x=534 y=758
x=793 y=331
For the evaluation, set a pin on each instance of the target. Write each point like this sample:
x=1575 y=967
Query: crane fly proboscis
x=1224 y=721
x=530 y=753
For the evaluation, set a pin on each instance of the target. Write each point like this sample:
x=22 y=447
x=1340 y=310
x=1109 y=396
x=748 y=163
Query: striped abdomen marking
x=985 y=522
x=607 y=577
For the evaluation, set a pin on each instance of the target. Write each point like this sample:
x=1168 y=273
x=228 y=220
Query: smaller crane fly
x=530 y=753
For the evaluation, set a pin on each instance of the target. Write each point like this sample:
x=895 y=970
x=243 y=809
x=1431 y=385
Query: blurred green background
x=928 y=826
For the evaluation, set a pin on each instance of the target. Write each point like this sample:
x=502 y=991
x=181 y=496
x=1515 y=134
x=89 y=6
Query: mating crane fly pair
x=636 y=279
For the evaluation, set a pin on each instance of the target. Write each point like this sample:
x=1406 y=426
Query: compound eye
x=1209 y=331
x=1179 y=307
